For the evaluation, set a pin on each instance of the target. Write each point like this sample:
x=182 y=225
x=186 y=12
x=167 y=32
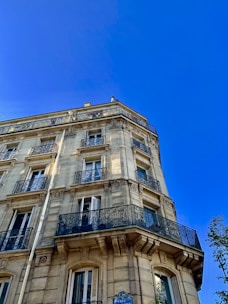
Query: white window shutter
x=94 y=284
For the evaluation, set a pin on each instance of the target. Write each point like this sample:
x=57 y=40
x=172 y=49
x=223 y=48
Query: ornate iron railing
x=148 y=181
x=88 y=176
x=33 y=184
x=35 y=124
x=14 y=239
x=125 y=216
x=76 y=116
x=7 y=155
x=42 y=149
x=138 y=144
x=89 y=142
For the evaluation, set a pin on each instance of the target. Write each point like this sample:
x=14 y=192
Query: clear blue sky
x=166 y=59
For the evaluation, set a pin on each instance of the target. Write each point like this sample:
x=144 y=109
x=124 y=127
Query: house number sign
x=122 y=298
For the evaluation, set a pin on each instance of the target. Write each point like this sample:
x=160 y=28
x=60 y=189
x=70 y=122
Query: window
x=150 y=217
x=92 y=171
x=94 y=138
x=4 y=287
x=141 y=173
x=18 y=232
x=89 y=215
x=8 y=152
x=36 y=181
x=167 y=291
x=83 y=286
x=1 y=178
x=139 y=143
x=47 y=145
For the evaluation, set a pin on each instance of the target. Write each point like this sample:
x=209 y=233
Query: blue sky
x=166 y=59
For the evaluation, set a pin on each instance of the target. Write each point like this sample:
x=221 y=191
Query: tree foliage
x=218 y=238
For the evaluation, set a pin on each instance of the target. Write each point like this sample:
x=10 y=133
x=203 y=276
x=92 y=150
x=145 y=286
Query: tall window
x=17 y=234
x=88 y=207
x=4 y=287
x=141 y=173
x=92 y=171
x=94 y=138
x=47 y=145
x=167 y=291
x=36 y=180
x=83 y=286
x=8 y=152
x=150 y=217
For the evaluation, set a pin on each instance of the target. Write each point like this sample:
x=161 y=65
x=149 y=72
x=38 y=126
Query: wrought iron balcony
x=138 y=144
x=88 y=176
x=88 y=302
x=7 y=155
x=148 y=181
x=90 y=142
x=33 y=184
x=15 y=239
x=42 y=149
x=125 y=216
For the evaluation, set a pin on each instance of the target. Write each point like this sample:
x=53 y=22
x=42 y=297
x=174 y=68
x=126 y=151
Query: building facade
x=85 y=213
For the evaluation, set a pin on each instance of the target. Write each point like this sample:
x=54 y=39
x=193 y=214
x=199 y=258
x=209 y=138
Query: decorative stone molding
x=102 y=244
x=133 y=187
x=58 y=193
x=119 y=245
x=63 y=250
x=146 y=245
x=3 y=263
x=84 y=253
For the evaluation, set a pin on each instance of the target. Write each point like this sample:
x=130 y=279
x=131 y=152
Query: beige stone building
x=85 y=213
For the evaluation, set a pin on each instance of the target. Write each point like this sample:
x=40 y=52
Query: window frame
x=5 y=279
x=93 y=289
x=23 y=228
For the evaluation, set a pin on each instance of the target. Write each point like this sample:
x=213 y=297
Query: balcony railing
x=14 y=239
x=148 y=181
x=88 y=302
x=90 y=142
x=76 y=116
x=138 y=144
x=33 y=184
x=125 y=216
x=88 y=176
x=7 y=155
x=48 y=148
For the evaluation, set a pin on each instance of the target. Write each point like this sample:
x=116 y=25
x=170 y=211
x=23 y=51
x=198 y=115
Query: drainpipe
x=31 y=256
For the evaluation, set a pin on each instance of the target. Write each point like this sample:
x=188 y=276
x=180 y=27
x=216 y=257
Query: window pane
x=89 y=286
x=150 y=217
x=3 y=291
x=77 y=297
x=163 y=290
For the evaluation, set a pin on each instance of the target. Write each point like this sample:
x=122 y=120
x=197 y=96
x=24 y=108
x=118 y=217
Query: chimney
x=87 y=104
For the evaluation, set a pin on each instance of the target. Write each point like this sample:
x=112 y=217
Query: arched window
x=83 y=285
x=166 y=288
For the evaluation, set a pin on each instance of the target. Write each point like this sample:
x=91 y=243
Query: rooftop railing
x=14 y=239
x=33 y=184
x=125 y=216
x=76 y=116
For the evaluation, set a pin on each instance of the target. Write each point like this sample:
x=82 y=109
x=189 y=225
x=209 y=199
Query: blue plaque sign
x=122 y=298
